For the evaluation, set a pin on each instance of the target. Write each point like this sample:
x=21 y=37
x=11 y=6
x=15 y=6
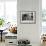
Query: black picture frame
x=28 y=17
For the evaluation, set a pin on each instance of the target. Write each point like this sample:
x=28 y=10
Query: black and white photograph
x=28 y=17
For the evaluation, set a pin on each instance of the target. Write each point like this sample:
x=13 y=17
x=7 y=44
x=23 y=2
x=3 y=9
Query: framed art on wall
x=28 y=17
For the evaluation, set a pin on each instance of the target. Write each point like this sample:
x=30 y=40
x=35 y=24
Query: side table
x=1 y=34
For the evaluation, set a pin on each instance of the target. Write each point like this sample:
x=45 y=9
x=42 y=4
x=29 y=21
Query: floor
x=2 y=43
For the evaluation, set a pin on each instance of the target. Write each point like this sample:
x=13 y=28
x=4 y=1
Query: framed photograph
x=28 y=17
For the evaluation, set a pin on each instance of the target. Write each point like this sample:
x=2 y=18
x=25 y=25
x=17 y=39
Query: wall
x=29 y=31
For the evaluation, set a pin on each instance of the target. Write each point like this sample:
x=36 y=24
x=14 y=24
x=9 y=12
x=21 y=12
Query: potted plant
x=1 y=22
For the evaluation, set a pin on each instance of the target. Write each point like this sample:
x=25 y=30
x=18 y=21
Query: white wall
x=29 y=31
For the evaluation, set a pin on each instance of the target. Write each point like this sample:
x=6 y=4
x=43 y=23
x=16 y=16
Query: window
x=44 y=16
x=1 y=9
x=8 y=10
x=44 y=10
x=11 y=11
